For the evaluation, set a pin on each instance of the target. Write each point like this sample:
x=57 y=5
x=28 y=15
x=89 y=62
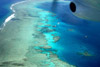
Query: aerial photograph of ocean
x=49 y=33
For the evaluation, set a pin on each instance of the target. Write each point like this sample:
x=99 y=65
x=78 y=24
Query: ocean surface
x=5 y=9
x=79 y=42
x=79 y=39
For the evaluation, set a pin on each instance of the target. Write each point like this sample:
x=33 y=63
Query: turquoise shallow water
x=79 y=39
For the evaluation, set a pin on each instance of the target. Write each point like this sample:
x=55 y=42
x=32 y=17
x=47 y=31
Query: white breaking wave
x=12 y=15
x=8 y=19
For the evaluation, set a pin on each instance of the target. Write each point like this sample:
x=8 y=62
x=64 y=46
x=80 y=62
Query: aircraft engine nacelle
x=86 y=9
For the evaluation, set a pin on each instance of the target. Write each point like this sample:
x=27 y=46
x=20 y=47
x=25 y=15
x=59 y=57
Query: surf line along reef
x=24 y=41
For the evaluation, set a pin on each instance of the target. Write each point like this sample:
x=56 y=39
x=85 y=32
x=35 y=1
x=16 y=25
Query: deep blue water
x=74 y=42
x=5 y=9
